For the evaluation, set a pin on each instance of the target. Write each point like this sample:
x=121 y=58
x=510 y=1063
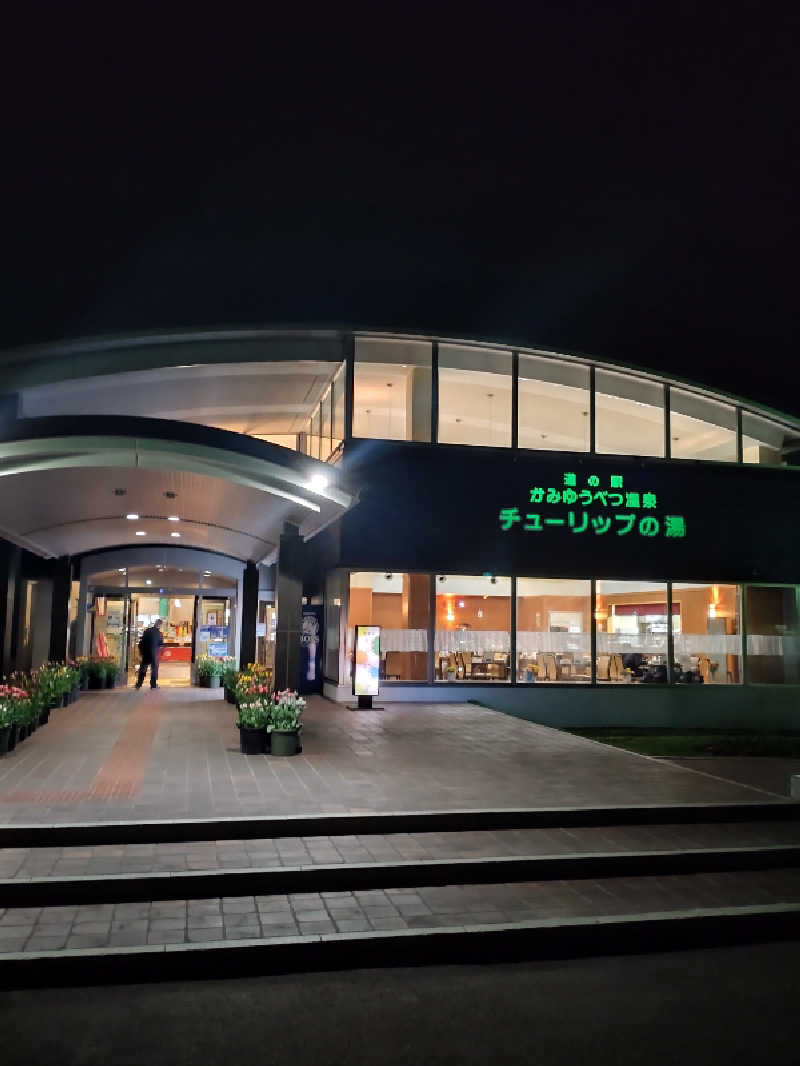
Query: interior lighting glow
x=148 y=581
x=132 y=517
x=175 y=533
x=141 y=533
x=173 y=518
x=318 y=481
x=177 y=603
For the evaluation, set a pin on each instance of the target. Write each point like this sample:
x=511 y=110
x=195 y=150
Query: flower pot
x=62 y=702
x=214 y=681
x=5 y=736
x=83 y=683
x=230 y=695
x=285 y=741
x=252 y=741
x=76 y=692
x=110 y=681
x=44 y=716
x=203 y=682
x=97 y=680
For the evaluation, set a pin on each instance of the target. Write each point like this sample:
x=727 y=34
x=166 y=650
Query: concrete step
x=369 y=876
x=367 y=823
x=444 y=942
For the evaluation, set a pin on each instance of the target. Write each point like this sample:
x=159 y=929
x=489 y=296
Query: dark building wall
x=438 y=507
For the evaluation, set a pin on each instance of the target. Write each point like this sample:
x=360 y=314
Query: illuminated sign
x=367 y=661
x=593 y=509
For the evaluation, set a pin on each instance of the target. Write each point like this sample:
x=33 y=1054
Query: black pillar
x=288 y=601
x=10 y=570
x=59 y=622
x=247 y=638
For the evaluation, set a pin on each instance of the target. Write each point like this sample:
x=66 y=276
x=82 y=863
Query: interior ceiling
x=161 y=576
x=74 y=510
x=255 y=398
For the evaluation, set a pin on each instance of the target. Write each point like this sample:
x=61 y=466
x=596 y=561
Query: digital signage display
x=367 y=660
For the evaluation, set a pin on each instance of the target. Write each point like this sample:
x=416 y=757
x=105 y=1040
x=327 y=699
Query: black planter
x=5 y=734
x=44 y=716
x=83 y=683
x=111 y=681
x=63 y=702
x=12 y=736
x=97 y=680
x=252 y=741
x=75 y=692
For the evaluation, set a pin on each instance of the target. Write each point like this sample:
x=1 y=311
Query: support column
x=59 y=619
x=288 y=601
x=10 y=568
x=247 y=633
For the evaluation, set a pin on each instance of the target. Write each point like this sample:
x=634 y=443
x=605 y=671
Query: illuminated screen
x=366 y=673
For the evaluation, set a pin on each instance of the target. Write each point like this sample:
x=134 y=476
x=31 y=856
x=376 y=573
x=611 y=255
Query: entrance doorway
x=177 y=617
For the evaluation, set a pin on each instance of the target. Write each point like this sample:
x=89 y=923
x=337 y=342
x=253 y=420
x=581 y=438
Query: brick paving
x=127 y=755
x=110 y=859
x=254 y=917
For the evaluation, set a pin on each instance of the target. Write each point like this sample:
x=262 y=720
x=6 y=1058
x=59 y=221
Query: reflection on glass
x=773 y=634
x=553 y=405
x=631 y=621
x=629 y=415
x=553 y=630
x=392 y=390
x=763 y=441
x=474 y=396
x=706 y=634
x=701 y=428
x=473 y=628
x=400 y=605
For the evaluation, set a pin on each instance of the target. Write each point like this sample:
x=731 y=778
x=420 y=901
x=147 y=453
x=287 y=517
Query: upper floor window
x=553 y=405
x=629 y=418
x=392 y=394
x=474 y=396
x=701 y=428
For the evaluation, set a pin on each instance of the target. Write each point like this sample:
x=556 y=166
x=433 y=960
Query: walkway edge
x=546 y=939
x=175 y=831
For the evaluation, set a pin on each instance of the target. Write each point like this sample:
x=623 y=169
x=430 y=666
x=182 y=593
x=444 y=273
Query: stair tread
x=108 y=860
x=275 y=916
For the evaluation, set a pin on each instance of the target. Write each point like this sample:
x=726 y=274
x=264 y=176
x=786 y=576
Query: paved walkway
x=127 y=755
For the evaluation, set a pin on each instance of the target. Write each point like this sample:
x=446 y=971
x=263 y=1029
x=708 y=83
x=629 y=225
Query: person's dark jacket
x=150 y=643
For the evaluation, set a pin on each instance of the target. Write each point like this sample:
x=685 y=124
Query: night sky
x=596 y=179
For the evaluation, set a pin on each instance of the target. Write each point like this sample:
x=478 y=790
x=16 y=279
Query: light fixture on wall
x=173 y=518
x=177 y=603
x=174 y=533
x=460 y=603
x=480 y=613
x=148 y=581
x=133 y=517
x=141 y=533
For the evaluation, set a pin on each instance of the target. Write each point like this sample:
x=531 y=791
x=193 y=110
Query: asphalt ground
x=734 y=1004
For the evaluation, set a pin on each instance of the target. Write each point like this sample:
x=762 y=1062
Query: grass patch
x=688 y=742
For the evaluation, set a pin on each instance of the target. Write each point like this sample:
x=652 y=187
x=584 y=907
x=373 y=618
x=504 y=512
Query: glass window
x=325 y=407
x=315 y=424
x=474 y=396
x=473 y=628
x=338 y=408
x=764 y=441
x=706 y=634
x=631 y=620
x=392 y=394
x=773 y=635
x=629 y=415
x=553 y=405
x=268 y=400
x=400 y=605
x=553 y=630
x=701 y=428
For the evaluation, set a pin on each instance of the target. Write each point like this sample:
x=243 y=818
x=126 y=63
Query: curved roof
x=68 y=360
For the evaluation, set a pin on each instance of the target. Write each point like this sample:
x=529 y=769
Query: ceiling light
x=177 y=603
x=318 y=481
x=173 y=518
x=121 y=569
x=148 y=581
x=174 y=533
x=141 y=533
x=207 y=573
x=132 y=517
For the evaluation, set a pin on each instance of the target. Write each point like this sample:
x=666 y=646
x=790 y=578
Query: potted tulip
x=96 y=674
x=208 y=672
x=252 y=726
x=284 y=725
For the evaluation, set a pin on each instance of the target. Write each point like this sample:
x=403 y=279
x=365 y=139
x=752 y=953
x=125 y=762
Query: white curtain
x=529 y=643
x=477 y=640
x=404 y=640
x=708 y=644
x=763 y=645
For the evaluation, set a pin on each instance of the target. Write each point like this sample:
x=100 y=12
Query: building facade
x=559 y=537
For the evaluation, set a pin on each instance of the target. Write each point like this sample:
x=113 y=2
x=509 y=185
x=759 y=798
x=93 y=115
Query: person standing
x=150 y=651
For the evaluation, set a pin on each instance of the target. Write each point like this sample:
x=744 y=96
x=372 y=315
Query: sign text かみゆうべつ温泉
x=593 y=509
